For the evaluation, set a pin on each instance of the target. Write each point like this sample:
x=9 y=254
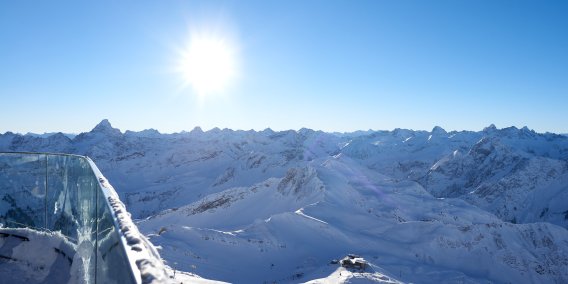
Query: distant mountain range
x=267 y=206
x=45 y=135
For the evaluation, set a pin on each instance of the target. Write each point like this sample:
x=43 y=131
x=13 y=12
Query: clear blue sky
x=328 y=65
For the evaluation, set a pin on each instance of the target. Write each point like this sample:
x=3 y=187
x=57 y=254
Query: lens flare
x=208 y=64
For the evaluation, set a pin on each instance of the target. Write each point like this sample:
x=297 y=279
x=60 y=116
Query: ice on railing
x=148 y=261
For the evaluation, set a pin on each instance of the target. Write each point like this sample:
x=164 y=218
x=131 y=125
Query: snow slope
x=427 y=207
x=398 y=226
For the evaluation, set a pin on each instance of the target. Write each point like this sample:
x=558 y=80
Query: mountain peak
x=438 y=130
x=268 y=131
x=527 y=130
x=196 y=130
x=105 y=127
x=103 y=124
x=490 y=128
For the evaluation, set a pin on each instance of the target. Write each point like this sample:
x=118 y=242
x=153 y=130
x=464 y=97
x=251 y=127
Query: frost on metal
x=139 y=250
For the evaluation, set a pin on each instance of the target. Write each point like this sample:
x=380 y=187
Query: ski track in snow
x=301 y=213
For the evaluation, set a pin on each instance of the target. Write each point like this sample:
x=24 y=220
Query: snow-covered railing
x=69 y=195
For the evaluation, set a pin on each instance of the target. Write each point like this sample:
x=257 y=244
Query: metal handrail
x=45 y=153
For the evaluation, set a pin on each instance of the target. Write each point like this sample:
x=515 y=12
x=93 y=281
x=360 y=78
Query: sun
x=208 y=64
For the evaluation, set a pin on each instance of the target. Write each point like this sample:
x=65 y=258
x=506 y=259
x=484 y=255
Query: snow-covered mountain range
x=266 y=206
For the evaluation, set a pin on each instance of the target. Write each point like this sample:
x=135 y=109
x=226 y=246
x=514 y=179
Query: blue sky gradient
x=327 y=65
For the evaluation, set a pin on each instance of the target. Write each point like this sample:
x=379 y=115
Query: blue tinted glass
x=22 y=190
x=62 y=195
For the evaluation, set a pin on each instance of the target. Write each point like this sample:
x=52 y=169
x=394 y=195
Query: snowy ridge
x=420 y=206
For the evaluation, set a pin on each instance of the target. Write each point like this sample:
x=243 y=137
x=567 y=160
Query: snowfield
x=264 y=207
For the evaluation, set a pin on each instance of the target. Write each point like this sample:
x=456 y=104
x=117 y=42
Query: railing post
x=45 y=195
x=96 y=231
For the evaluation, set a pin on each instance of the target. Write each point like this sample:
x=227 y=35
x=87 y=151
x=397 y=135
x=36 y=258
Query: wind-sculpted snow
x=419 y=206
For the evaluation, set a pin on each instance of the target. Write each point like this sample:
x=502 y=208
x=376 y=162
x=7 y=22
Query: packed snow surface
x=30 y=256
x=264 y=207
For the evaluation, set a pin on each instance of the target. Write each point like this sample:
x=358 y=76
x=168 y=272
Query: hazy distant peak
x=215 y=130
x=525 y=129
x=305 y=131
x=58 y=136
x=490 y=128
x=151 y=132
x=196 y=130
x=400 y=132
x=438 y=130
x=268 y=131
x=49 y=134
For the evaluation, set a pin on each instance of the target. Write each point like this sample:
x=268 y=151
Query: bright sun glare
x=208 y=64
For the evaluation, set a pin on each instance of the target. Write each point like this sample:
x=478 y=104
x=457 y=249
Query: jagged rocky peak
x=527 y=131
x=105 y=127
x=490 y=128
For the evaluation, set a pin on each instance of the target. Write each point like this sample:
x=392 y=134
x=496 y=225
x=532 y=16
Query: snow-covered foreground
x=335 y=207
x=29 y=256
x=423 y=207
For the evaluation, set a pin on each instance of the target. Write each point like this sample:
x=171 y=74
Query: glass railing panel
x=63 y=193
x=85 y=208
x=22 y=190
